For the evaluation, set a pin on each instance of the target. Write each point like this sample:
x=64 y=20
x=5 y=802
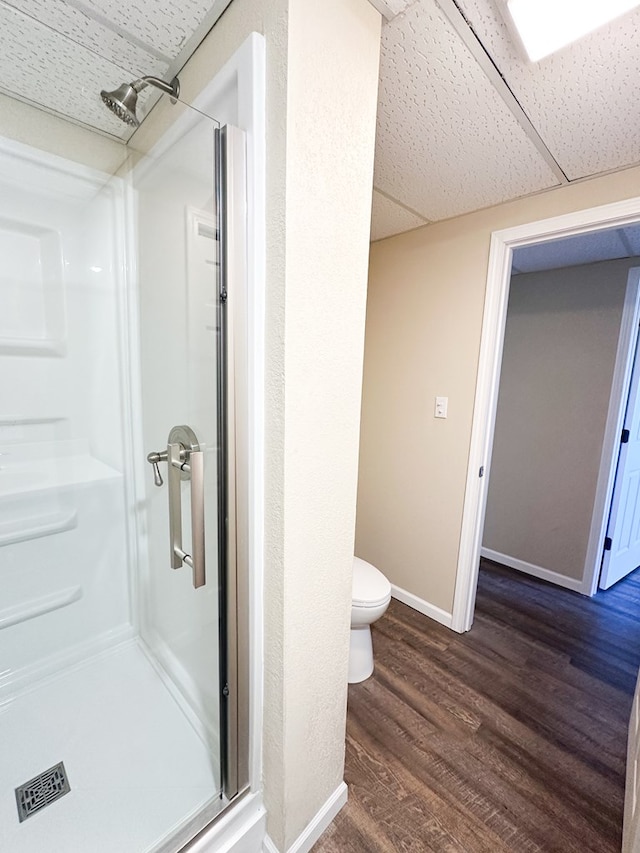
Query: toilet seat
x=370 y=587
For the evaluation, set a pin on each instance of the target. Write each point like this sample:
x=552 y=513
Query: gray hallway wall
x=559 y=357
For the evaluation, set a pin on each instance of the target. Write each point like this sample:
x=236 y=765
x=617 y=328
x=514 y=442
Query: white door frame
x=488 y=381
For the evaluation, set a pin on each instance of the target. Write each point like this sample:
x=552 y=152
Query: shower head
x=123 y=100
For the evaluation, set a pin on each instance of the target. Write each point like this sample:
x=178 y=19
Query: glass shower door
x=181 y=324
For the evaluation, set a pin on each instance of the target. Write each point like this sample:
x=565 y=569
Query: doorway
x=562 y=339
x=583 y=224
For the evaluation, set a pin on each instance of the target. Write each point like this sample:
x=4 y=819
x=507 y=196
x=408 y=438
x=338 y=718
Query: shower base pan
x=136 y=766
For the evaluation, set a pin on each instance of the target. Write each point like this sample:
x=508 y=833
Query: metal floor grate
x=42 y=790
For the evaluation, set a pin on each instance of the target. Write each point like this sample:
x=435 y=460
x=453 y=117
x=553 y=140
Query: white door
x=622 y=550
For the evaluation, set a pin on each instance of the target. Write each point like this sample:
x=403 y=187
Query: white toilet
x=369 y=599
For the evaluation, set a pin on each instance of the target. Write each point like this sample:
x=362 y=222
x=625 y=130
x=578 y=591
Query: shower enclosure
x=123 y=494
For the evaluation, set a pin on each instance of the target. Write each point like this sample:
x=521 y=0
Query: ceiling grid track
x=467 y=34
x=16 y=96
x=401 y=204
x=117 y=30
x=70 y=38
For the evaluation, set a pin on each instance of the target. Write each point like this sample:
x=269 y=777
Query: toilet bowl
x=371 y=594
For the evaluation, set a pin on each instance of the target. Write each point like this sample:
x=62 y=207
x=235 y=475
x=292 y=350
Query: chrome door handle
x=197 y=518
x=185 y=461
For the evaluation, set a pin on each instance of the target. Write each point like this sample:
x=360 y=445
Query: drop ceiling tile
x=583 y=100
x=605 y=245
x=446 y=142
x=50 y=70
x=631 y=235
x=389 y=218
x=165 y=24
x=76 y=23
x=395 y=7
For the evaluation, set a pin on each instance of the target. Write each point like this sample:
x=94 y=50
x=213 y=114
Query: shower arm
x=172 y=88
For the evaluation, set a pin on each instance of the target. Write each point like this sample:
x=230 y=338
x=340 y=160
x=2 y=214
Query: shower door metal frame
x=233 y=458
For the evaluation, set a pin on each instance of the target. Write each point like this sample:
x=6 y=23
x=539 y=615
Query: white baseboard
x=422 y=606
x=536 y=571
x=314 y=829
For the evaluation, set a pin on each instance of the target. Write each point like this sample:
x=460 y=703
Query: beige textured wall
x=424 y=319
x=49 y=133
x=559 y=355
x=332 y=101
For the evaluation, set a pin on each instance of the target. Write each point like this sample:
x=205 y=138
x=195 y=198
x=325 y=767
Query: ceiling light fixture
x=545 y=26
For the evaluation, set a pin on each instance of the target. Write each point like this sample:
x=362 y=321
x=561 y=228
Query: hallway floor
x=511 y=737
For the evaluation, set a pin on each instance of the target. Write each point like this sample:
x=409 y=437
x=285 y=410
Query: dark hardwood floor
x=509 y=738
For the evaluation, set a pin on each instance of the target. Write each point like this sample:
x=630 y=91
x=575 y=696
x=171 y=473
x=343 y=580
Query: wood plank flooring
x=509 y=738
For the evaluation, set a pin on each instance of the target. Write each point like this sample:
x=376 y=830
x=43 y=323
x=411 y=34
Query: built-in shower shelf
x=39 y=606
x=25 y=529
x=37 y=475
x=32 y=346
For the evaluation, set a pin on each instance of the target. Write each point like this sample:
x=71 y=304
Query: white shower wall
x=64 y=552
